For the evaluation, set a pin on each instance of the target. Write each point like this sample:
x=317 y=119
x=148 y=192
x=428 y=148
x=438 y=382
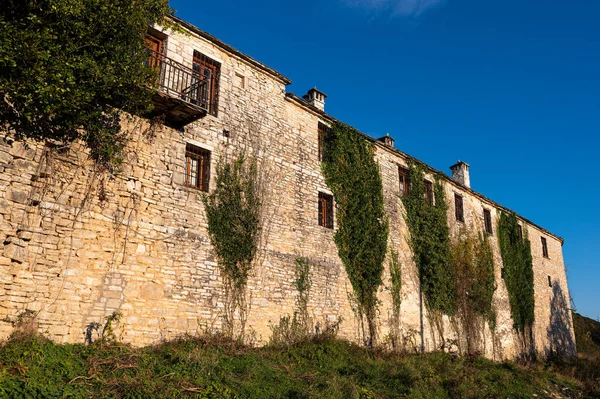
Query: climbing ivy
x=518 y=272
x=430 y=243
x=396 y=291
x=473 y=263
x=233 y=215
x=353 y=176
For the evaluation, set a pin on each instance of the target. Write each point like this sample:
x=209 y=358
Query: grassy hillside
x=587 y=334
x=34 y=367
x=203 y=368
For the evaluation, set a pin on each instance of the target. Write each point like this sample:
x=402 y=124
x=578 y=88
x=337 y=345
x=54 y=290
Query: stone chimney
x=315 y=98
x=387 y=140
x=460 y=173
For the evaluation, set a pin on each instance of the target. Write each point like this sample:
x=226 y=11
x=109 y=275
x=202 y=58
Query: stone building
x=77 y=244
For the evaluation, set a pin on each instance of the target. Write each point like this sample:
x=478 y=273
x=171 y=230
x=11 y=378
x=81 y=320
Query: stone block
x=15 y=195
x=20 y=150
x=15 y=252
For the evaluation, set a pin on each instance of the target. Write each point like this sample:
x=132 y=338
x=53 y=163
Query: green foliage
x=210 y=367
x=296 y=328
x=518 y=271
x=396 y=279
x=587 y=335
x=473 y=263
x=353 y=176
x=430 y=242
x=233 y=212
x=69 y=69
x=233 y=215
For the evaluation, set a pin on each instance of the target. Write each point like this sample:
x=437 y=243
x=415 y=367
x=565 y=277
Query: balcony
x=183 y=94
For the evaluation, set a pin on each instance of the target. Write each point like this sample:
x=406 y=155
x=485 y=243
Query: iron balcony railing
x=179 y=81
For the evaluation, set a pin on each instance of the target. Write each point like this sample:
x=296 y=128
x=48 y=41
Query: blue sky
x=512 y=87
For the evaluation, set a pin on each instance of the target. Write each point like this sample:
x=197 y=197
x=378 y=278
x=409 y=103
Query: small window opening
x=326 y=210
x=549 y=281
x=197 y=167
x=487 y=219
x=403 y=179
x=458 y=208
x=520 y=231
x=322 y=131
x=544 y=247
x=428 y=192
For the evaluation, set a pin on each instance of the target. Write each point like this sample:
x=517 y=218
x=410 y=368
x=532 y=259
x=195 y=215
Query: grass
x=212 y=367
x=33 y=367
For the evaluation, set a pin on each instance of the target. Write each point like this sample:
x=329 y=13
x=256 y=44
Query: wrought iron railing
x=179 y=81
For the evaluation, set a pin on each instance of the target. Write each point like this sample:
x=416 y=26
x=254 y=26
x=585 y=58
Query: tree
x=70 y=68
x=353 y=176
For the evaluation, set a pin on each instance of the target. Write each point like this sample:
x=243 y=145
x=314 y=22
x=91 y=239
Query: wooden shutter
x=321 y=210
x=458 y=208
x=330 y=212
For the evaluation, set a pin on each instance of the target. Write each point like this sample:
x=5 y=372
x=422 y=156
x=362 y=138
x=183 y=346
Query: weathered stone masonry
x=77 y=245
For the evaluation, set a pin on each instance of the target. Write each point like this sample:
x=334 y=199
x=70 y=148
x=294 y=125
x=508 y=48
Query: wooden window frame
x=545 y=247
x=403 y=180
x=322 y=131
x=520 y=231
x=459 y=209
x=202 y=63
x=487 y=221
x=325 y=210
x=428 y=191
x=197 y=176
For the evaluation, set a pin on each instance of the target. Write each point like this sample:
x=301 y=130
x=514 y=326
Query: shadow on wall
x=560 y=331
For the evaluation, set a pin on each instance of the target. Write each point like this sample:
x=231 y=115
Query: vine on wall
x=353 y=176
x=396 y=291
x=430 y=243
x=473 y=263
x=518 y=276
x=233 y=214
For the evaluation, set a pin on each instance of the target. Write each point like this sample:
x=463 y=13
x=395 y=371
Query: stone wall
x=77 y=244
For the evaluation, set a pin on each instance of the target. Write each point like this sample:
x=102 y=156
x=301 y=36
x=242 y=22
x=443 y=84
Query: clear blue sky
x=511 y=87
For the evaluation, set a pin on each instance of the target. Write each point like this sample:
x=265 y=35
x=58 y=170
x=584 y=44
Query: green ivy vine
x=353 y=176
x=473 y=263
x=233 y=214
x=430 y=242
x=515 y=249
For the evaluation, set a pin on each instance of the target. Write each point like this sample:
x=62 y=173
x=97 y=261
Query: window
x=154 y=46
x=487 y=221
x=197 y=167
x=403 y=178
x=520 y=231
x=326 y=210
x=428 y=192
x=544 y=247
x=458 y=208
x=207 y=94
x=322 y=130
x=549 y=281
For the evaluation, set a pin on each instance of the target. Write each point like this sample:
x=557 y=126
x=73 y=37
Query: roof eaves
x=230 y=49
x=493 y=203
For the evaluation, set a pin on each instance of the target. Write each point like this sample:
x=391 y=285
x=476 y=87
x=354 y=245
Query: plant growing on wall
x=515 y=249
x=71 y=68
x=430 y=244
x=396 y=291
x=233 y=214
x=473 y=263
x=353 y=176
